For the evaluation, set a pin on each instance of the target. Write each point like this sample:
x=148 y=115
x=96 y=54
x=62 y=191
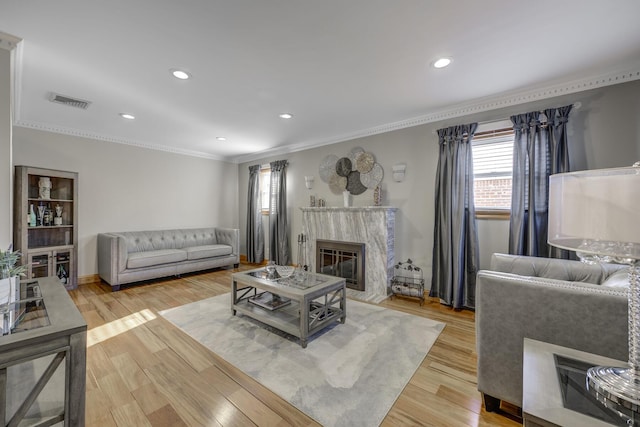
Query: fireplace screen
x=342 y=259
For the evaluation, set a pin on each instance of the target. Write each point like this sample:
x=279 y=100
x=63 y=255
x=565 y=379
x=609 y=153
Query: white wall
x=6 y=170
x=124 y=188
x=604 y=132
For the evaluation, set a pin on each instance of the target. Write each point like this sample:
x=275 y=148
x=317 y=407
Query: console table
x=43 y=358
x=554 y=389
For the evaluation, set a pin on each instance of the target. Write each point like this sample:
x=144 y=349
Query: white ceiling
x=343 y=68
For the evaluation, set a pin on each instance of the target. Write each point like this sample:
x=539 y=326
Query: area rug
x=349 y=375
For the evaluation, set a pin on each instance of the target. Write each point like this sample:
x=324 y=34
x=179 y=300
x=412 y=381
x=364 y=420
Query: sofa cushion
x=149 y=258
x=208 y=251
x=619 y=279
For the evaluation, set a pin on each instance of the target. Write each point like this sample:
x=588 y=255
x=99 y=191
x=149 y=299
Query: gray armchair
x=562 y=302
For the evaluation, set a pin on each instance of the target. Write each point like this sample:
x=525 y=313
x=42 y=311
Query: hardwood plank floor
x=143 y=371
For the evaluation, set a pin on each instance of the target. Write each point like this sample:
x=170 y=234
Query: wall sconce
x=398 y=172
x=308 y=182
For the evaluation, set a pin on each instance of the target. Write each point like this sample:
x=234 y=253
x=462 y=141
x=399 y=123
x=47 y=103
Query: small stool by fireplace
x=342 y=259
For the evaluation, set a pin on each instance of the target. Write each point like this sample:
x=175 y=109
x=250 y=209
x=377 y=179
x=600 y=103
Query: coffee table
x=315 y=303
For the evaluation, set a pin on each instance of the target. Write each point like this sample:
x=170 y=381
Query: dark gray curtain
x=540 y=149
x=279 y=247
x=255 y=235
x=455 y=245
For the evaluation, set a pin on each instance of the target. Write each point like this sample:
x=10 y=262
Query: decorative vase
x=32 y=216
x=377 y=196
x=345 y=196
x=9 y=290
x=57 y=220
x=300 y=270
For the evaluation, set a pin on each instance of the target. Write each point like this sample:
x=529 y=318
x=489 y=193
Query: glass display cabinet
x=46 y=222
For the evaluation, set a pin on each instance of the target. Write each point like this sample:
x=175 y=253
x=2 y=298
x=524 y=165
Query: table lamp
x=597 y=214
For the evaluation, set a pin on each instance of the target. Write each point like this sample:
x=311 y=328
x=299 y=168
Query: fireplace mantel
x=372 y=225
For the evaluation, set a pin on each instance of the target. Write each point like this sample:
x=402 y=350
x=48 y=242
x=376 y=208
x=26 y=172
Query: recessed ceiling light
x=442 y=62
x=286 y=116
x=127 y=116
x=180 y=74
x=221 y=138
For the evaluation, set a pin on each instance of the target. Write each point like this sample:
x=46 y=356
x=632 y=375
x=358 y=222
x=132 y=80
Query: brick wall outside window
x=492 y=193
x=492 y=168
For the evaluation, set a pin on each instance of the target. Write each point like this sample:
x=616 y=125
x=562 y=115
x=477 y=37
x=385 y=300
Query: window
x=492 y=171
x=265 y=182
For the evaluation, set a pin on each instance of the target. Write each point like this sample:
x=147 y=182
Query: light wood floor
x=143 y=371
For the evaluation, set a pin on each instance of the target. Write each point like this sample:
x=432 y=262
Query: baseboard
x=86 y=280
x=95 y=278
x=243 y=260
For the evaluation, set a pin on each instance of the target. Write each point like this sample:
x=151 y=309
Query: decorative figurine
x=44 y=188
x=58 y=218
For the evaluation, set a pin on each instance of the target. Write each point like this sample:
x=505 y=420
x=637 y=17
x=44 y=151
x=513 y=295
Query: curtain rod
x=576 y=106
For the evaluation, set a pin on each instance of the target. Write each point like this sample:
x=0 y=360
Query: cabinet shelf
x=46 y=248
x=32 y=200
x=40 y=227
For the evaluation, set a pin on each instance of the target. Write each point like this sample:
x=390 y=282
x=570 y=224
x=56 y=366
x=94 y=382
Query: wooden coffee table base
x=311 y=309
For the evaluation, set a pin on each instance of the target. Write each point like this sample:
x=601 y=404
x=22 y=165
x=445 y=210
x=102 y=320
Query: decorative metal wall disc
x=354 y=185
x=337 y=184
x=364 y=162
x=328 y=167
x=353 y=156
x=343 y=167
x=372 y=178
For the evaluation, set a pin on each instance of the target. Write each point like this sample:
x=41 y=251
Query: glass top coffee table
x=298 y=307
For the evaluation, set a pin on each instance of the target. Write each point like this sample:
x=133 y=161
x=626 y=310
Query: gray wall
x=604 y=132
x=123 y=188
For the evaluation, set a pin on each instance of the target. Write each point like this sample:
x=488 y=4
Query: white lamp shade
x=596 y=212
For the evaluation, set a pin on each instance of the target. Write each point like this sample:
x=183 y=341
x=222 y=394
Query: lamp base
x=616 y=388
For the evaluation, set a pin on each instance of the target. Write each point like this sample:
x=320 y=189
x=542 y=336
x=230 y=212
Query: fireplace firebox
x=342 y=259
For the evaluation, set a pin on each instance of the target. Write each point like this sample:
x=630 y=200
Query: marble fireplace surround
x=374 y=226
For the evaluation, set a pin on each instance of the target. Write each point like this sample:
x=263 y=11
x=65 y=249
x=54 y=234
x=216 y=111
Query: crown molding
x=99 y=137
x=479 y=105
x=627 y=74
x=8 y=42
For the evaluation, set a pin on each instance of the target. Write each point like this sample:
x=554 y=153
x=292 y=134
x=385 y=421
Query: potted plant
x=9 y=272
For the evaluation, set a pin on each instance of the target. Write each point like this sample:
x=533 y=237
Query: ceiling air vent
x=67 y=100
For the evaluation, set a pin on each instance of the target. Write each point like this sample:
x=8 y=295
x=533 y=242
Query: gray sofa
x=142 y=255
x=567 y=303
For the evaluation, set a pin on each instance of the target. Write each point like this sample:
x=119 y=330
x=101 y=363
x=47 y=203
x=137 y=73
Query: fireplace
x=342 y=259
x=370 y=226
